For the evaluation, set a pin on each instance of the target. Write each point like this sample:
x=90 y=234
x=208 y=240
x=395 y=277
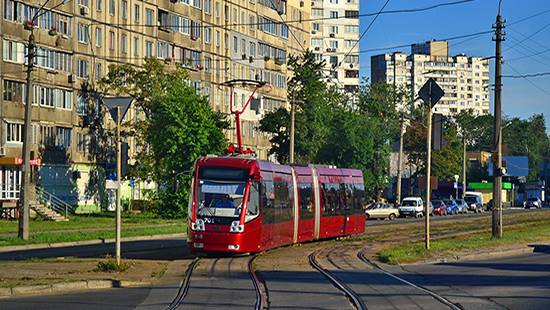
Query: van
x=474 y=201
x=411 y=206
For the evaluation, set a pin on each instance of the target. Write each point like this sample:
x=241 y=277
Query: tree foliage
x=176 y=127
x=331 y=128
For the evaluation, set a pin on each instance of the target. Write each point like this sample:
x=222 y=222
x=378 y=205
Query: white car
x=411 y=206
x=533 y=202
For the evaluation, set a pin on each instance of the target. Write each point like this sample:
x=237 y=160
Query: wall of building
x=215 y=40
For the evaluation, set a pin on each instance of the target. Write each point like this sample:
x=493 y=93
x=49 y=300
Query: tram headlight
x=236 y=227
x=198 y=225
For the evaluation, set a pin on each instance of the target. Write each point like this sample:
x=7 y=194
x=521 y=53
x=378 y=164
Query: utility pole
x=400 y=160
x=118 y=172
x=428 y=175
x=25 y=196
x=464 y=183
x=292 y=121
x=497 y=141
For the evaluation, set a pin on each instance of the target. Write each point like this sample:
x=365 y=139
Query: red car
x=439 y=207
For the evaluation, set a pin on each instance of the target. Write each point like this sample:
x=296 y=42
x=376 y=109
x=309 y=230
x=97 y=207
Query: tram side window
x=268 y=196
x=331 y=203
x=346 y=199
x=306 y=200
x=283 y=201
x=359 y=197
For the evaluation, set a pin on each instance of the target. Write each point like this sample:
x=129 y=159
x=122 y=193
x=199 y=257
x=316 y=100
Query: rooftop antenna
x=243 y=83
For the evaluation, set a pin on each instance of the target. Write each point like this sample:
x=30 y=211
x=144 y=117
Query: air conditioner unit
x=312 y=3
x=70 y=78
x=332 y=35
x=250 y=59
x=301 y=4
x=84 y=10
x=174 y=1
x=331 y=50
x=317 y=48
x=313 y=32
x=244 y=56
x=2 y=151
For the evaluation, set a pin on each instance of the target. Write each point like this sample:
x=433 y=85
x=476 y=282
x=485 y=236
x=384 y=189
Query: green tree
x=177 y=127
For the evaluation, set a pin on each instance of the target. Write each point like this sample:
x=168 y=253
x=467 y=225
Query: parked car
x=411 y=206
x=533 y=202
x=462 y=206
x=439 y=207
x=475 y=203
x=382 y=211
x=452 y=207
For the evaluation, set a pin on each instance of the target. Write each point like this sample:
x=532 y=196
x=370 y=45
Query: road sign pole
x=118 y=171
x=428 y=175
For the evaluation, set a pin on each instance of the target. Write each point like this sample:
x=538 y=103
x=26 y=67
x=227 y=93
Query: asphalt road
x=520 y=282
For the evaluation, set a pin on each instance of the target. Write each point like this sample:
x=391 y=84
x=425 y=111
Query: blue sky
x=520 y=97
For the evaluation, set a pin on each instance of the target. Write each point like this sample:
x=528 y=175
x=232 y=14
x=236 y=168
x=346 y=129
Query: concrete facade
x=464 y=79
x=78 y=41
x=334 y=33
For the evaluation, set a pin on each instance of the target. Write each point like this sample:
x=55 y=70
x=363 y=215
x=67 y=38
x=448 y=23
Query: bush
x=110 y=265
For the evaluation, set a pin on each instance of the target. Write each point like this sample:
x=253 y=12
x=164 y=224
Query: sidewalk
x=15 y=248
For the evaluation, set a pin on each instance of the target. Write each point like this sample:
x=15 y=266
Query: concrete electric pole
x=400 y=161
x=464 y=183
x=292 y=125
x=25 y=196
x=428 y=175
x=497 y=139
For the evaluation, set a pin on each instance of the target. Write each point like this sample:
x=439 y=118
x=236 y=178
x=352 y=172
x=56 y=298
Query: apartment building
x=77 y=41
x=464 y=79
x=334 y=37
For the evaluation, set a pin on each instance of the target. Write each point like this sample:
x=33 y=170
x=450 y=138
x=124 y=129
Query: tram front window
x=220 y=199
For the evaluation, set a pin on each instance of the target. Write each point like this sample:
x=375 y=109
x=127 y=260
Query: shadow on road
x=162 y=249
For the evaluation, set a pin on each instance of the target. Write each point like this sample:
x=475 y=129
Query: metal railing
x=54 y=203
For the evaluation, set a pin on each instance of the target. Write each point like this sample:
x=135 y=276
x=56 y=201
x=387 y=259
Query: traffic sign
x=113 y=103
x=431 y=92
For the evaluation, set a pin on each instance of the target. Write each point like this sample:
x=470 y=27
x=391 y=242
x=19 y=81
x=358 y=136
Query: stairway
x=46 y=213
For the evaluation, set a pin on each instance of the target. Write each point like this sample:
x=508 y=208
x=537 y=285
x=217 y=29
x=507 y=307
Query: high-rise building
x=464 y=79
x=334 y=36
x=78 y=40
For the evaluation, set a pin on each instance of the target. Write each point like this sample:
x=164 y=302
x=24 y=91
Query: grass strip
x=413 y=252
x=86 y=221
x=82 y=236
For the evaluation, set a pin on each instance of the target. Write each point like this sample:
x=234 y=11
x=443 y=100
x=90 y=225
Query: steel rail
x=443 y=300
x=355 y=299
x=261 y=291
x=184 y=286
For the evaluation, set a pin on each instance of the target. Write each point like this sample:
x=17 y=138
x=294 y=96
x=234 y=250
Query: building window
x=52 y=59
x=333 y=29
x=149 y=19
x=14 y=132
x=80 y=105
x=124 y=9
x=13 y=91
x=112 y=7
x=98 y=37
x=235 y=44
x=136 y=46
x=195 y=30
x=333 y=14
x=218 y=38
x=148 y=49
x=207 y=35
x=124 y=43
x=98 y=72
x=207 y=6
x=352 y=14
x=63 y=137
x=111 y=40
x=351 y=29
x=82 y=33
x=252 y=22
x=98 y=5
x=316 y=26
x=82 y=69
x=13 y=51
x=136 y=13
x=196 y=3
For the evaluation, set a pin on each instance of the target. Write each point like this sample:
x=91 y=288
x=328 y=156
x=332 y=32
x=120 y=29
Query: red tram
x=241 y=204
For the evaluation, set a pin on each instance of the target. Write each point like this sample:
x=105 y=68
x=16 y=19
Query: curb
x=85 y=242
x=8 y=292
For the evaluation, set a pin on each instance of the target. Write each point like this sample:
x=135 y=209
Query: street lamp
x=456 y=177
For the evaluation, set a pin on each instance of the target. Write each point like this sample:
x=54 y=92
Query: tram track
x=362 y=257
x=223 y=270
x=353 y=297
